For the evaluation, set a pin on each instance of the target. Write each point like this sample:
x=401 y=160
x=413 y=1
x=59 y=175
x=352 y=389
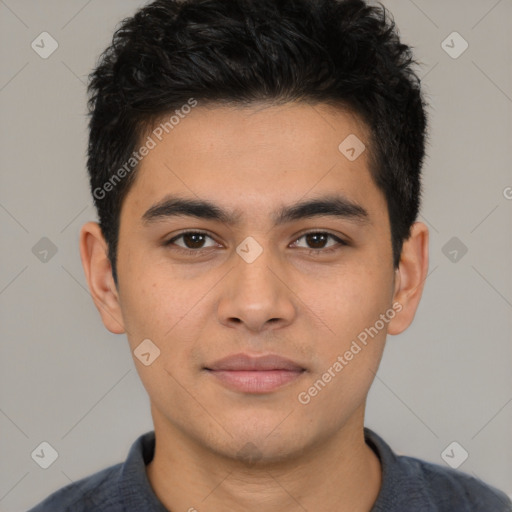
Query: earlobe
x=98 y=272
x=410 y=277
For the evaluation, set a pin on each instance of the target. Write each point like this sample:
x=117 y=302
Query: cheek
x=170 y=311
x=160 y=311
x=151 y=296
x=150 y=308
x=355 y=299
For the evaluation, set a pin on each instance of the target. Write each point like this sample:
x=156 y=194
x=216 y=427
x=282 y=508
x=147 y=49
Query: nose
x=257 y=296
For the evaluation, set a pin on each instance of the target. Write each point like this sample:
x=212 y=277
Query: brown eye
x=191 y=240
x=318 y=240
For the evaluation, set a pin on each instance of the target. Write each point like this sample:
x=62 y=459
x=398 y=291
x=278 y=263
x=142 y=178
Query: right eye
x=191 y=241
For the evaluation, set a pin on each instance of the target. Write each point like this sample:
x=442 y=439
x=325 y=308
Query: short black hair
x=341 y=52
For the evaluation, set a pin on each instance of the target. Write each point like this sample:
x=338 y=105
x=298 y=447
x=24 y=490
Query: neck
x=340 y=474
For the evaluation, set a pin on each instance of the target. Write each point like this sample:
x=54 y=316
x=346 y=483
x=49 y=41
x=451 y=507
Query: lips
x=255 y=374
x=245 y=362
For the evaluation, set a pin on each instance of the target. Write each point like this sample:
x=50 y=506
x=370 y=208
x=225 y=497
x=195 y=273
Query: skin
x=306 y=307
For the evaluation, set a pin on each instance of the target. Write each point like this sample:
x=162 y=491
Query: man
x=256 y=170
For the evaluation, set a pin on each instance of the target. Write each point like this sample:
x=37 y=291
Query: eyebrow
x=331 y=206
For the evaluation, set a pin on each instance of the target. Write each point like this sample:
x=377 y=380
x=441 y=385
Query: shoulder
x=95 y=492
x=448 y=489
x=410 y=483
x=114 y=489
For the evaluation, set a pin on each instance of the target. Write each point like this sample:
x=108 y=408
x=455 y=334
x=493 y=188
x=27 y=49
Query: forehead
x=250 y=159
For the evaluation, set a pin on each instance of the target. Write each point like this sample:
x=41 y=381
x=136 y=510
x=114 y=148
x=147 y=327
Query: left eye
x=317 y=240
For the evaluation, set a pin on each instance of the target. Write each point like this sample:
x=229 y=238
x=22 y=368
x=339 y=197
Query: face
x=270 y=296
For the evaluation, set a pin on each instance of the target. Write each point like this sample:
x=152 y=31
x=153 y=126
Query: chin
x=263 y=445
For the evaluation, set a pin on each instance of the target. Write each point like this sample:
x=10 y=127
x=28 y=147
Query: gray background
x=66 y=380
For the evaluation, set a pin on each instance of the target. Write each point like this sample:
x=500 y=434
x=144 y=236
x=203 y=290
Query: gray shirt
x=408 y=485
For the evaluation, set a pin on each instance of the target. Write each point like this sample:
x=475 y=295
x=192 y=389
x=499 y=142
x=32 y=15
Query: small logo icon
x=249 y=249
x=44 y=250
x=44 y=455
x=250 y=453
x=351 y=147
x=146 y=352
x=454 y=45
x=44 y=45
x=454 y=249
x=454 y=455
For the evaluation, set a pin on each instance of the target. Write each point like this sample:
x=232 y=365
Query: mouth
x=251 y=374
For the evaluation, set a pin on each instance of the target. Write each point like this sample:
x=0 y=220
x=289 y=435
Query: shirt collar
x=134 y=487
x=401 y=488
x=398 y=489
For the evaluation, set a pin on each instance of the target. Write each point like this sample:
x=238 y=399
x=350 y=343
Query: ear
x=98 y=272
x=410 y=277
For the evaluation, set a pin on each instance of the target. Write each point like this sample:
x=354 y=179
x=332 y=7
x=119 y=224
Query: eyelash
x=198 y=252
